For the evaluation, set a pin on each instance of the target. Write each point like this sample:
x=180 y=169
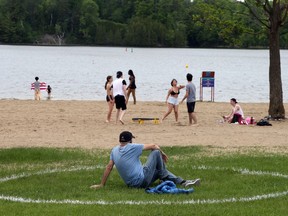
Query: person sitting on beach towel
x=237 y=114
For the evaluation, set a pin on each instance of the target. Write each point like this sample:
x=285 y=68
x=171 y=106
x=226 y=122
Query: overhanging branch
x=284 y=9
x=252 y=11
x=267 y=7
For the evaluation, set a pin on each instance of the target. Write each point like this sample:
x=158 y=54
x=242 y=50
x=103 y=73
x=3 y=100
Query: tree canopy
x=146 y=23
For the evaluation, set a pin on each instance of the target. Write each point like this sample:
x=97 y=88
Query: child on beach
x=49 y=91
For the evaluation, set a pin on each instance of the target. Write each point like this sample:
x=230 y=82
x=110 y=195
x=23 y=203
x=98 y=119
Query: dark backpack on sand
x=263 y=122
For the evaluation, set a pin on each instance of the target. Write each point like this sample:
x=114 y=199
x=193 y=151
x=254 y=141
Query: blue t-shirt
x=128 y=164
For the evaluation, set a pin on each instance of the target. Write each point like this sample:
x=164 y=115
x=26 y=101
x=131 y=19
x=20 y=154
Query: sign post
x=207 y=80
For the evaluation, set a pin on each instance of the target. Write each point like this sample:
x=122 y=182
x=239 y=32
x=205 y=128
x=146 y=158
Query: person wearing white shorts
x=172 y=99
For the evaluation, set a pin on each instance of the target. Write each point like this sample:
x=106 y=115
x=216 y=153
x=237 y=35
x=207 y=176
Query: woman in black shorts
x=109 y=97
x=132 y=86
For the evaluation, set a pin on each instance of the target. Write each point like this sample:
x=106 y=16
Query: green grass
x=220 y=175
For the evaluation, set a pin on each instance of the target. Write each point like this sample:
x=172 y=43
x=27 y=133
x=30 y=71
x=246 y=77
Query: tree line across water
x=144 y=23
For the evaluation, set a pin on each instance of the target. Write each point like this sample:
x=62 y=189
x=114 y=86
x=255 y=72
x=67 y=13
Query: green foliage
x=108 y=32
x=155 y=23
x=88 y=19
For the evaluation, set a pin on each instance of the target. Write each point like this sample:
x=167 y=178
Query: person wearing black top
x=132 y=86
x=109 y=97
x=49 y=91
x=172 y=99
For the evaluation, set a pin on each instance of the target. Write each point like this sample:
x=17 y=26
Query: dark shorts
x=108 y=98
x=120 y=102
x=191 y=107
x=236 y=118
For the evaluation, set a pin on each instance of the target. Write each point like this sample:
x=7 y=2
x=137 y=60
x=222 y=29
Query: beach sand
x=81 y=124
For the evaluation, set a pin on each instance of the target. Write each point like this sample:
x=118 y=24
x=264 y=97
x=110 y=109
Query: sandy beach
x=81 y=124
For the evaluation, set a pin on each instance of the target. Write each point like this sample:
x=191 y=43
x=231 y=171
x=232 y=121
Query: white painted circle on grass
x=155 y=202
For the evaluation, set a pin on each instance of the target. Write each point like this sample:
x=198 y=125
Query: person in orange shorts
x=37 y=91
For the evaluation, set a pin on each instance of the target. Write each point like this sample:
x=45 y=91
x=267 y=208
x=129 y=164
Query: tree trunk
x=276 y=107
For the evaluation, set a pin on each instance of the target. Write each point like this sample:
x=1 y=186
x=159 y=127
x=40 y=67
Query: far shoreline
x=139 y=47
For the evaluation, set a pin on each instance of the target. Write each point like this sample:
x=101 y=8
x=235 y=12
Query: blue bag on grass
x=168 y=187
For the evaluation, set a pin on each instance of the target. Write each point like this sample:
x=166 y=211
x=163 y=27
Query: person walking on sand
x=119 y=94
x=37 y=91
x=109 y=97
x=172 y=99
x=49 y=91
x=126 y=158
x=191 y=99
x=131 y=87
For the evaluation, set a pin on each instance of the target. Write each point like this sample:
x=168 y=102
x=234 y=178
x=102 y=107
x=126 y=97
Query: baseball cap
x=125 y=136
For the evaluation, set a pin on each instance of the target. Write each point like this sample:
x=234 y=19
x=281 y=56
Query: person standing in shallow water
x=49 y=91
x=37 y=91
x=191 y=99
x=109 y=97
x=131 y=87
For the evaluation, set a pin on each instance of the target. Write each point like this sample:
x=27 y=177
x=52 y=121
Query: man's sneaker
x=188 y=183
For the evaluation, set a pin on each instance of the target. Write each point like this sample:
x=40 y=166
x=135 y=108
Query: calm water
x=79 y=73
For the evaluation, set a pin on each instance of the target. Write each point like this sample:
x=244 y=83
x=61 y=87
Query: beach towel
x=168 y=187
x=42 y=86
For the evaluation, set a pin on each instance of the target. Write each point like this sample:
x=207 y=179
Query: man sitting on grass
x=126 y=158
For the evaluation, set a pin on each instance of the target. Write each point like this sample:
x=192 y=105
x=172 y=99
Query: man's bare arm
x=185 y=96
x=125 y=92
x=105 y=176
x=156 y=147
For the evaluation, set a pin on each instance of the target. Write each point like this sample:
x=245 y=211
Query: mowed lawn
x=45 y=181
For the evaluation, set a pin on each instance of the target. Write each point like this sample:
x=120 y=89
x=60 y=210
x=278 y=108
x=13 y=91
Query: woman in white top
x=237 y=114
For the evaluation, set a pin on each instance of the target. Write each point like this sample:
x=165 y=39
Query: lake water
x=79 y=73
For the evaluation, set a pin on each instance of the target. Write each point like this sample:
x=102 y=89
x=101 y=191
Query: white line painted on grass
x=161 y=202
x=48 y=171
x=242 y=171
x=155 y=202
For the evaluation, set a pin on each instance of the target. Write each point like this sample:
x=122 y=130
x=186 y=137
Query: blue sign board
x=208 y=82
